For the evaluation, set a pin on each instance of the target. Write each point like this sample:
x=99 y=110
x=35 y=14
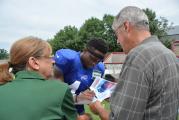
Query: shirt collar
x=28 y=75
x=152 y=38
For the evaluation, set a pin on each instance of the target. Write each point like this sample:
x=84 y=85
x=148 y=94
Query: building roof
x=174 y=30
x=3 y=61
x=115 y=58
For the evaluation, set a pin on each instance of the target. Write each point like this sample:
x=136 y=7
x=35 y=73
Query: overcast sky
x=44 y=18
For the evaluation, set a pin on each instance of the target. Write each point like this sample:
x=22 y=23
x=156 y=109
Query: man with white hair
x=149 y=79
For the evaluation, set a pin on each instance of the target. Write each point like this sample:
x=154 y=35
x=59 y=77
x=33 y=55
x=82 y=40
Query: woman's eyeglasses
x=47 y=57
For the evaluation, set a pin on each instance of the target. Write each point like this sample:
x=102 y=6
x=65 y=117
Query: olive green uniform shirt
x=30 y=97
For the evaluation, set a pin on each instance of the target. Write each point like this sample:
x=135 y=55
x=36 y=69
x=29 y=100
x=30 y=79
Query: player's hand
x=86 y=95
x=94 y=107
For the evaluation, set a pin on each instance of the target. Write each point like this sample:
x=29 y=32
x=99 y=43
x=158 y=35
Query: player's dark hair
x=97 y=44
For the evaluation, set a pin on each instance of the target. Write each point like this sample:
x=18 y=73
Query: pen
x=91 y=90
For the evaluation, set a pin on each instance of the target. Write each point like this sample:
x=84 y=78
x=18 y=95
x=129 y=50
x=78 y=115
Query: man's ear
x=33 y=63
x=127 y=26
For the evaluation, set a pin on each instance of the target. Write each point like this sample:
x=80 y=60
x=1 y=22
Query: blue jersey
x=75 y=74
x=78 y=77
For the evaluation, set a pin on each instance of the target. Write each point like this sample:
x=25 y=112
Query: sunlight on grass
x=106 y=105
x=95 y=117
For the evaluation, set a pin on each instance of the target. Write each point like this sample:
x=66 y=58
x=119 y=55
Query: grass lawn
x=106 y=105
x=95 y=117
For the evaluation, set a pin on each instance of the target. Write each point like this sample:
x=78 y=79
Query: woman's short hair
x=20 y=52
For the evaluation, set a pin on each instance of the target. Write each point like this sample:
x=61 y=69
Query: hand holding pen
x=88 y=88
x=93 y=91
x=86 y=95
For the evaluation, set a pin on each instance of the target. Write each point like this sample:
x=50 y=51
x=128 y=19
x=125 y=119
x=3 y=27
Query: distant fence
x=113 y=68
x=3 y=61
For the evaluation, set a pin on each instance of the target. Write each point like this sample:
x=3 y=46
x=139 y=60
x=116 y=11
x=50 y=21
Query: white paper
x=74 y=86
x=102 y=88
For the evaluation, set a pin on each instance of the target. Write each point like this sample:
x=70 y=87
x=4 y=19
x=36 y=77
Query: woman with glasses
x=80 y=68
x=28 y=95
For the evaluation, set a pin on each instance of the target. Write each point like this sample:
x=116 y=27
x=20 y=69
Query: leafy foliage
x=159 y=27
x=71 y=37
x=3 y=54
x=109 y=34
x=66 y=38
x=92 y=27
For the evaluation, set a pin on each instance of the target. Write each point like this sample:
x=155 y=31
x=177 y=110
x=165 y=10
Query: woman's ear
x=85 y=49
x=33 y=63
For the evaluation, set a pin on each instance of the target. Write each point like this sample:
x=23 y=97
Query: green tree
x=92 y=27
x=66 y=38
x=109 y=34
x=71 y=37
x=3 y=54
x=159 y=26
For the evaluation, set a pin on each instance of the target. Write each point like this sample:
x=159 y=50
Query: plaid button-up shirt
x=148 y=84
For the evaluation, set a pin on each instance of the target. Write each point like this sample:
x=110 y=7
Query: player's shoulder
x=100 y=66
x=66 y=53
